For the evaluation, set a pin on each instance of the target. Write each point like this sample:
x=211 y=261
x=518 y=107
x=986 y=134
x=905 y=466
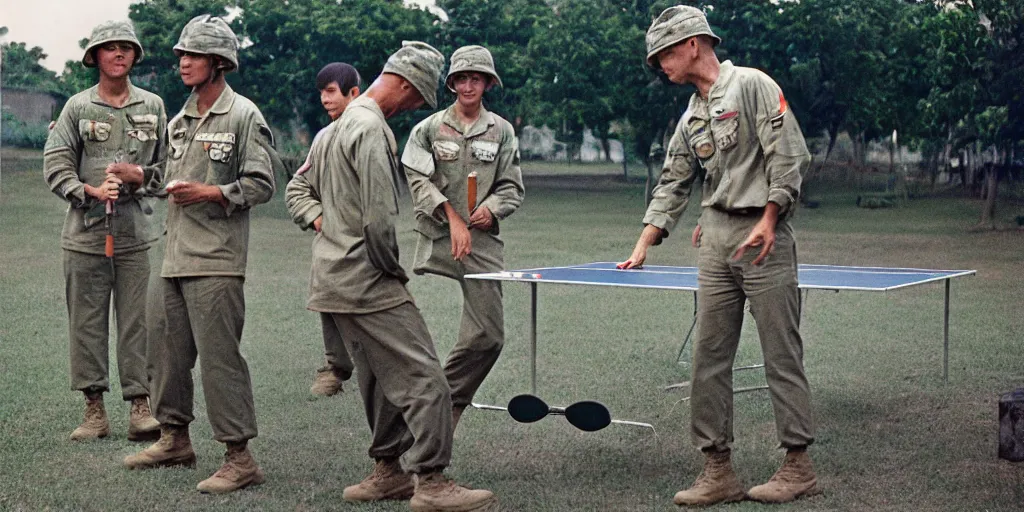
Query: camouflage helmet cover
x=674 y=25
x=209 y=35
x=111 y=31
x=472 y=58
x=421 y=65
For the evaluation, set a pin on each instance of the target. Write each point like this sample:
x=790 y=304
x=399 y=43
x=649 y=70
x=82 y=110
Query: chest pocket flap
x=218 y=145
x=94 y=130
x=484 y=150
x=445 y=150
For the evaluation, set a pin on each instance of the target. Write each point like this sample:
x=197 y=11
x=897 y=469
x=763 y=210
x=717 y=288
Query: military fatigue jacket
x=88 y=136
x=229 y=147
x=439 y=156
x=351 y=182
x=747 y=140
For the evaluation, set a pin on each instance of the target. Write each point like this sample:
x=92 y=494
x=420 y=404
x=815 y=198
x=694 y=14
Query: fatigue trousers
x=771 y=288
x=334 y=348
x=90 y=280
x=203 y=316
x=405 y=394
x=482 y=329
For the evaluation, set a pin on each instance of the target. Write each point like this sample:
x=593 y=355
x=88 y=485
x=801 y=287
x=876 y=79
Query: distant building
x=31 y=107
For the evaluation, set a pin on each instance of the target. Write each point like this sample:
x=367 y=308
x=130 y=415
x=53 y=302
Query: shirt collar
x=725 y=73
x=482 y=124
x=220 y=107
x=133 y=96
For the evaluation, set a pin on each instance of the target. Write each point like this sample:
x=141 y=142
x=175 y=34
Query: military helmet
x=209 y=35
x=674 y=25
x=472 y=58
x=108 y=32
x=421 y=65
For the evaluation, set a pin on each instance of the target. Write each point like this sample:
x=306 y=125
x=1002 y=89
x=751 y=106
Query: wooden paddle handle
x=109 y=247
x=471 y=189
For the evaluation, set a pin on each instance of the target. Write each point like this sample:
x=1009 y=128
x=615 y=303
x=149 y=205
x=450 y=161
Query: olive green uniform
x=753 y=152
x=440 y=155
x=299 y=190
x=204 y=264
x=88 y=136
x=356 y=277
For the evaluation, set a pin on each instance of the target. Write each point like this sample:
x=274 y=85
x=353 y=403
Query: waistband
x=740 y=212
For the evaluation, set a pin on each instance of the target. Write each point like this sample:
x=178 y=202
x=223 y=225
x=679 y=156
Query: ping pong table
x=810 y=277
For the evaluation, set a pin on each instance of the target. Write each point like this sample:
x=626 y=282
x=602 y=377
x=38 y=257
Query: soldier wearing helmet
x=107 y=148
x=349 y=195
x=219 y=165
x=457 y=238
x=740 y=130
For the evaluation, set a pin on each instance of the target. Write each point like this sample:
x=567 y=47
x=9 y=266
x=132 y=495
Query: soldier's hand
x=695 y=238
x=462 y=242
x=763 y=235
x=481 y=219
x=128 y=173
x=185 y=193
x=318 y=223
x=648 y=237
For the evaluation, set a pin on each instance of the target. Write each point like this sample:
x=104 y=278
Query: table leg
x=945 y=336
x=533 y=338
x=689 y=334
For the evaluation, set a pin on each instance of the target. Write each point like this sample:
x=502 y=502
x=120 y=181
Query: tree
x=22 y=69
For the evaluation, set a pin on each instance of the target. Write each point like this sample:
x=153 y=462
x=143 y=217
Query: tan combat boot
x=435 y=493
x=142 y=426
x=794 y=479
x=327 y=382
x=716 y=484
x=387 y=482
x=174 y=448
x=239 y=470
x=95 y=425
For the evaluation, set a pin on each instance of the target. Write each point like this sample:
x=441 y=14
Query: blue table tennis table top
x=820 y=277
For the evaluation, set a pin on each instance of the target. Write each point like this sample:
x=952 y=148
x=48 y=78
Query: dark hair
x=345 y=75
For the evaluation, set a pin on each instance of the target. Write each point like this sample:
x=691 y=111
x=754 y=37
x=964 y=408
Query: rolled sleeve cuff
x=494 y=205
x=310 y=215
x=75 y=194
x=430 y=205
x=660 y=220
x=783 y=198
x=233 y=194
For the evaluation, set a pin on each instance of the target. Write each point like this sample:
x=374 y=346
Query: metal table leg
x=689 y=334
x=945 y=336
x=533 y=338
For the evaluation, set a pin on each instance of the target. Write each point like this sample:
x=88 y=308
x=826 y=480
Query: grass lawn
x=891 y=435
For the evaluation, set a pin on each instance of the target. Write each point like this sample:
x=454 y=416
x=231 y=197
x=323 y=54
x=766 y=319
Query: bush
x=17 y=133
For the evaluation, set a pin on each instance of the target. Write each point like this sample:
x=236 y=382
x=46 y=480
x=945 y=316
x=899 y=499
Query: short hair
x=344 y=74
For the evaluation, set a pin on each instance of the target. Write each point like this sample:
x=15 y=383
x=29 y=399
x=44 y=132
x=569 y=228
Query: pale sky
x=58 y=25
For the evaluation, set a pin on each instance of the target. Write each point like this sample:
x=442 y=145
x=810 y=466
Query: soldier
x=356 y=278
x=219 y=166
x=457 y=238
x=338 y=84
x=740 y=130
x=107 y=148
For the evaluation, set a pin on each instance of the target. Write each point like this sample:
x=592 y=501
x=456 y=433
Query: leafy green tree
x=22 y=69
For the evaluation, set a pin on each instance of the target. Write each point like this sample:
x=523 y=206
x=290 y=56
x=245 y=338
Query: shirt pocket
x=484 y=151
x=726 y=129
x=445 y=150
x=143 y=127
x=219 y=146
x=96 y=131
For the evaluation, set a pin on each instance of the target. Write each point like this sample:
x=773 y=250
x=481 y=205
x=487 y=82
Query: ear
x=353 y=92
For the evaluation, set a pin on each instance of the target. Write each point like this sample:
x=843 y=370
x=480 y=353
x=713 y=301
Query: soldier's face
x=470 y=87
x=675 y=60
x=335 y=101
x=195 y=68
x=115 y=59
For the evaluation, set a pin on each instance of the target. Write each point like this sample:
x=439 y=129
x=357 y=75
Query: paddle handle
x=108 y=249
x=471 y=191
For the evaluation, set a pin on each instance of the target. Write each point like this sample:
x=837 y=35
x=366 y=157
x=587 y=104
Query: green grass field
x=891 y=435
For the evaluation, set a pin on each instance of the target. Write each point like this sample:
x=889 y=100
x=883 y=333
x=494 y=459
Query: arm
x=786 y=158
x=507 y=192
x=60 y=161
x=669 y=198
x=255 y=183
x=418 y=161
x=303 y=202
x=374 y=164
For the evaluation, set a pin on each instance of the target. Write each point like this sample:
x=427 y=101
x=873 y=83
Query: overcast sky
x=58 y=25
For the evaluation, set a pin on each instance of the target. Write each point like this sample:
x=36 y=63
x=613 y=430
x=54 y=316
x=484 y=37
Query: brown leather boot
x=435 y=493
x=794 y=479
x=717 y=483
x=326 y=382
x=239 y=470
x=142 y=426
x=174 y=448
x=387 y=482
x=95 y=425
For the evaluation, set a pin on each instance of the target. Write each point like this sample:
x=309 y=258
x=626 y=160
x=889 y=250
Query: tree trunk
x=606 y=147
x=988 y=211
x=625 y=169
